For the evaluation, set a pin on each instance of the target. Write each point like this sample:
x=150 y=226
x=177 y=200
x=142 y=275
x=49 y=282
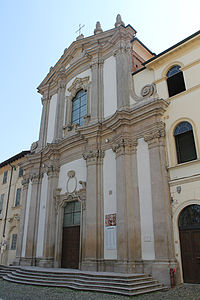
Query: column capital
x=93 y=156
x=36 y=178
x=125 y=146
x=155 y=136
x=25 y=183
x=53 y=171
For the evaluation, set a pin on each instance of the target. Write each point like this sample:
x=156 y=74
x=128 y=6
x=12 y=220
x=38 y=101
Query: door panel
x=70 y=247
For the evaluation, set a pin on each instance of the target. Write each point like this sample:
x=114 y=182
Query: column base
x=45 y=262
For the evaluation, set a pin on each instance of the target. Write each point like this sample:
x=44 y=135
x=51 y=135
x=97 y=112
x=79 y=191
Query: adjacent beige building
x=10 y=205
x=105 y=186
x=175 y=74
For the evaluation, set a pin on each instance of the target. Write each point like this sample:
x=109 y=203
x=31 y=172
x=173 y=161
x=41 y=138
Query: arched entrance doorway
x=189 y=231
x=71 y=235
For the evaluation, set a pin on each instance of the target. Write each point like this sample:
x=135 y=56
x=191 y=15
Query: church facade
x=97 y=184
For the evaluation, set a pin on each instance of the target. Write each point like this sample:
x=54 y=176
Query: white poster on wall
x=110 y=232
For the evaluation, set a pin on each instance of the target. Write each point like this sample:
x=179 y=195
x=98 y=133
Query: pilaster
x=162 y=223
x=50 y=219
x=128 y=212
x=94 y=228
x=33 y=219
x=97 y=89
x=25 y=184
x=123 y=71
x=59 y=122
x=44 y=122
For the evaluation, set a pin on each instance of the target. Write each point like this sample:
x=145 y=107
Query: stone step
x=80 y=281
x=57 y=276
x=116 y=283
x=127 y=292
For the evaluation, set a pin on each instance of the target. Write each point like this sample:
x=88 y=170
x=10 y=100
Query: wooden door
x=71 y=235
x=189 y=232
x=70 y=247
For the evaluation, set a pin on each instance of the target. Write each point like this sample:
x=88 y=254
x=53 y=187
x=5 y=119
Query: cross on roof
x=80 y=27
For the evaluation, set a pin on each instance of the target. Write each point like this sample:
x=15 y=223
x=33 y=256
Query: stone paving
x=12 y=291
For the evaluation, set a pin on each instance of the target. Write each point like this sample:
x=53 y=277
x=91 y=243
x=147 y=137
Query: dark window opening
x=175 y=81
x=184 y=140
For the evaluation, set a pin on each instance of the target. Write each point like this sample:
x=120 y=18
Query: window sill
x=187 y=163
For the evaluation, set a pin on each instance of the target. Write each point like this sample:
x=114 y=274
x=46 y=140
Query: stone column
x=162 y=219
x=44 y=123
x=25 y=183
x=59 y=122
x=93 y=243
x=128 y=212
x=123 y=72
x=31 y=240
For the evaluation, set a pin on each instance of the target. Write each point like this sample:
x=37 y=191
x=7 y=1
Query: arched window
x=79 y=107
x=185 y=145
x=175 y=81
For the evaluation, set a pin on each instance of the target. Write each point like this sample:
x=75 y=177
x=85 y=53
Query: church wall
x=41 y=229
x=51 y=119
x=110 y=87
x=110 y=205
x=79 y=166
x=145 y=197
x=26 y=219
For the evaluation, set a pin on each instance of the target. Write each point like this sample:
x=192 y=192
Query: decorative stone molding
x=78 y=84
x=148 y=90
x=62 y=200
x=153 y=137
x=36 y=178
x=93 y=155
x=34 y=146
x=71 y=180
x=53 y=170
x=25 y=183
x=14 y=220
x=125 y=146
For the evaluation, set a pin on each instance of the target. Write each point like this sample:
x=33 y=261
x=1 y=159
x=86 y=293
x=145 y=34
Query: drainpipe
x=8 y=198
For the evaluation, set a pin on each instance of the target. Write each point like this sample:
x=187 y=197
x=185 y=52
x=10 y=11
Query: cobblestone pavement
x=12 y=291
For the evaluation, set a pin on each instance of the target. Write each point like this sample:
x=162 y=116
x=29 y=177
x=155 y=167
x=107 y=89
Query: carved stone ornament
x=78 y=84
x=71 y=182
x=119 y=21
x=155 y=133
x=34 y=146
x=98 y=28
x=62 y=200
x=93 y=154
x=125 y=146
x=148 y=90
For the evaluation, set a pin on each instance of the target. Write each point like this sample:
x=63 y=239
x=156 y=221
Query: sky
x=34 y=34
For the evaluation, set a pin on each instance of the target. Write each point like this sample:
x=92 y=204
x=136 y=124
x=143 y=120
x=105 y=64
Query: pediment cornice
x=88 y=48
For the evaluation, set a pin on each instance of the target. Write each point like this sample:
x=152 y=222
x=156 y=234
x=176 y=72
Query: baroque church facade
x=98 y=185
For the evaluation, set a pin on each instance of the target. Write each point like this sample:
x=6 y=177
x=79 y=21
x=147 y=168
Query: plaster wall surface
x=145 y=197
x=52 y=118
x=41 y=226
x=141 y=79
x=26 y=219
x=110 y=87
x=79 y=166
x=110 y=205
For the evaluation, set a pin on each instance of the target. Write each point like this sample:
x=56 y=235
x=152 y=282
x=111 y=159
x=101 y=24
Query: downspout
x=8 y=198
